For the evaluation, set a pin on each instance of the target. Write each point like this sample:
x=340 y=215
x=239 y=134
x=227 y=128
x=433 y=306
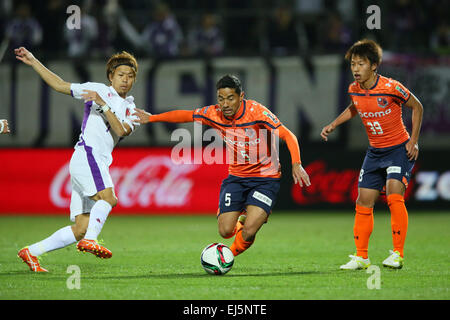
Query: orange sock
x=399 y=221
x=362 y=230
x=240 y=245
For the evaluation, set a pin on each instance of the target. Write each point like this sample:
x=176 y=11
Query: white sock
x=97 y=218
x=60 y=239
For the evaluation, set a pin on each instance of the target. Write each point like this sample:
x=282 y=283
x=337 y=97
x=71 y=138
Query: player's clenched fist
x=326 y=131
x=4 y=126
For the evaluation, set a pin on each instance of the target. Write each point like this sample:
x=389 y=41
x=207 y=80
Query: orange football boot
x=86 y=245
x=30 y=260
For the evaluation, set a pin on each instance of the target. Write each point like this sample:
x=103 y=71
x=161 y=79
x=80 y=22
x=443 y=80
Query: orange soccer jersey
x=380 y=109
x=249 y=138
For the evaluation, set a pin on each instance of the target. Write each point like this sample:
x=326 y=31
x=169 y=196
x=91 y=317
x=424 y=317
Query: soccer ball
x=217 y=258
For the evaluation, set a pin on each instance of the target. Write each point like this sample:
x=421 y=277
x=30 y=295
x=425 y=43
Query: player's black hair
x=367 y=49
x=229 y=81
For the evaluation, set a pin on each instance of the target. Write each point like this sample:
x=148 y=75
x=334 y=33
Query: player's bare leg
x=60 y=239
x=367 y=197
x=105 y=201
x=256 y=217
x=227 y=223
x=80 y=226
x=395 y=191
x=362 y=228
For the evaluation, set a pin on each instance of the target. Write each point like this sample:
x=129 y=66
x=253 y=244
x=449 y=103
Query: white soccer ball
x=217 y=258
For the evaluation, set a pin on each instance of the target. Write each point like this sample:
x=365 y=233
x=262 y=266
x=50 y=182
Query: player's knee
x=226 y=231
x=111 y=199
x=365 y=202
x=107 y=195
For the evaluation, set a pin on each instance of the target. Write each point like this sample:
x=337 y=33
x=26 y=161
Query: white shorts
x=89 y=174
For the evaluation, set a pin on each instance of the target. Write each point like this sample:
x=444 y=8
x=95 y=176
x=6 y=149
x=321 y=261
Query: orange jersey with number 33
x=380 y=109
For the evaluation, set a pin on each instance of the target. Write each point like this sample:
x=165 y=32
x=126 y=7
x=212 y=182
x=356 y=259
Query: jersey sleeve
x=350 y=90
x=400 y=92
x=205 y=115
x=292 y=143
x=77 y=89
x=268 y=119
x=175 y=116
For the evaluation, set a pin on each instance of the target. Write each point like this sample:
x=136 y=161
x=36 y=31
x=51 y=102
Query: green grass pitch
x=296 y=256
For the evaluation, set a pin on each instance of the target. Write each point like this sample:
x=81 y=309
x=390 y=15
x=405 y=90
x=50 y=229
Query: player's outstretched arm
x=4 y=126
x=175 y=116
x=412 y=147
x=346 y=115
x=299 y=174
x=53 y=80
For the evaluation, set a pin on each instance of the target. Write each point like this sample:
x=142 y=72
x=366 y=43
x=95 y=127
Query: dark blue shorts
x=236 y=193
x=381 y=164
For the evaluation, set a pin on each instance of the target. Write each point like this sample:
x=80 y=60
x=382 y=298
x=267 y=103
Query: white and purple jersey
x=96 y=133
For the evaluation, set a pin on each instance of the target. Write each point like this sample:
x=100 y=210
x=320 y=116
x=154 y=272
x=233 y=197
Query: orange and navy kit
x=380 y=109
x=250 y=137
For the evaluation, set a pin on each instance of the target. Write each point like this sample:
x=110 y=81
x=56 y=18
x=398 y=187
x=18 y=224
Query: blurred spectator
x=206 y=39
x=5 y=13
x=82 y=42
x=23 y=29
x=310 y=13
x=105 y=15
x=282 y=35
x=404 y=21
x=440 y=39
x=241 y=30
x=337 y=38
x=437 y=26
x=52 y=16
x=162 y=37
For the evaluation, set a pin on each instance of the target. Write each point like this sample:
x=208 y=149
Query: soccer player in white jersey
x=107 y=117
x=4 y=126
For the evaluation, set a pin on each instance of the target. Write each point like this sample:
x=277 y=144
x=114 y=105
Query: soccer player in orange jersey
x=392 y=152
x=248 y=129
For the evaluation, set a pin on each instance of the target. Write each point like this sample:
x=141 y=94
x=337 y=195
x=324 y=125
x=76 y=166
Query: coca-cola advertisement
x=154 y=181
x=146 y=181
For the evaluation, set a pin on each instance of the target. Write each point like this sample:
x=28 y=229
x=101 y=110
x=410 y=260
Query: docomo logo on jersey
x=242 y=143
x=378 y=114
x=244 y=146
x=154 y=180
